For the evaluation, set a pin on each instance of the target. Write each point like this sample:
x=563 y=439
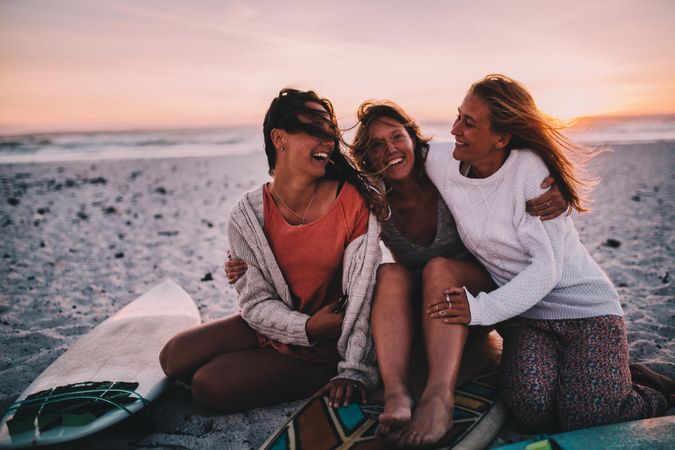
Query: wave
x=241 y=140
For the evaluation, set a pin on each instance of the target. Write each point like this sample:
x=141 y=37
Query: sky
x=72 y=65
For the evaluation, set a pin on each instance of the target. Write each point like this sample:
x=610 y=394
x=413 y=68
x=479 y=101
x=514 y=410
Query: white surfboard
x=123 y=350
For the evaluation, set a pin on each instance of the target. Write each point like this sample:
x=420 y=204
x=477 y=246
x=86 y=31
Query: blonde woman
x=565 y=359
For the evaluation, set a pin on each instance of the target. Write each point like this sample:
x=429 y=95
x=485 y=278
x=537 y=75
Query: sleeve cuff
x=353 y=375
x=474 y=308
x=299 y=330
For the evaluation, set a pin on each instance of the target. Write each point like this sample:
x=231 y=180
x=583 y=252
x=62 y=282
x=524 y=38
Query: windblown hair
x=513 y=110
x=370 y=112
x=284 y=113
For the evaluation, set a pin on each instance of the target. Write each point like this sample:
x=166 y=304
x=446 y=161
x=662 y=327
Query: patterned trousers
x=571 y=373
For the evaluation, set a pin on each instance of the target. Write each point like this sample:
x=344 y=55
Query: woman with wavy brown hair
x=565 y=358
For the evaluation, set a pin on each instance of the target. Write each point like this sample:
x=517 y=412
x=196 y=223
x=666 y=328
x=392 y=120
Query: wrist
x=310 y=332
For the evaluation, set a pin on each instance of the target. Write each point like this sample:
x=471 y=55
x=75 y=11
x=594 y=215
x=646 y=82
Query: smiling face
x=390 y=149
x=301 y=152
x=475 y=141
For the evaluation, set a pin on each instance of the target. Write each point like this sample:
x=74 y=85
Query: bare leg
x=241 y=380
x=191 y=349
x=393 y=322
x=228 y=372
x=444 y=346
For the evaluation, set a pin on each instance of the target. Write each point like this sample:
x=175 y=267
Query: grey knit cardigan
x=265 y=298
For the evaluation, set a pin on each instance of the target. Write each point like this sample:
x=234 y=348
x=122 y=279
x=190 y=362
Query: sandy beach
x=82 y=239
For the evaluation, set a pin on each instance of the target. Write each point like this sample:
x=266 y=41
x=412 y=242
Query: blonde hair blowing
x=513 y=110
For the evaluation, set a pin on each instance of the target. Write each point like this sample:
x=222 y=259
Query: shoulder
x=438 y=159
x=439 y=153
x=353 y=206
x=350 y=197
x=528 y=160
x=527 y=170
x=250 y=202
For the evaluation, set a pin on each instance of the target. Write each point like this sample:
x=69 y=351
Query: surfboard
x=478 y=414
x=105 y=376
x=654 y=434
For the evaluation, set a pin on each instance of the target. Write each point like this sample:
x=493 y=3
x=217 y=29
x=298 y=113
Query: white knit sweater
x=542 y=269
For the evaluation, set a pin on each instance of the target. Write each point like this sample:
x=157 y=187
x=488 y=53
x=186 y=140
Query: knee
x=583 y=409
x=533 y=420
x=388 y=272
x=535 y=413
x=531 y=403
x=166 y=357
x=445 y=268
x=172 y=358
x=214 y=391
x=391 y=276
x=202 y=390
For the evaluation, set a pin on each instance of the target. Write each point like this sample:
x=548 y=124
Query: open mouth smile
x=320 y=156
x=394 y=161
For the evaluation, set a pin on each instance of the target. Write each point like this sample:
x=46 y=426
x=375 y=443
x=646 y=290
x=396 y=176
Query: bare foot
x=653 y=379
x=431 y=420
x=645 y=376
x=397 y=413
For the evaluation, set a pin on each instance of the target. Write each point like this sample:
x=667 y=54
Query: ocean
x=90 y=146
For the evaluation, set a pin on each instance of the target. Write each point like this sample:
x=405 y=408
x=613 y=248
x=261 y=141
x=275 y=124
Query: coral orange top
x=310 y=257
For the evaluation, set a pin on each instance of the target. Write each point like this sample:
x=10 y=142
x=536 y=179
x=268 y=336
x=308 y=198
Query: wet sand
x=80 y=240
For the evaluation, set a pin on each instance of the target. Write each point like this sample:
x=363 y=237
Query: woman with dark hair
x=311 y=248
x=565 y=358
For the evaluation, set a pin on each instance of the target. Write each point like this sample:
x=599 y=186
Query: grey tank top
x=446 y=243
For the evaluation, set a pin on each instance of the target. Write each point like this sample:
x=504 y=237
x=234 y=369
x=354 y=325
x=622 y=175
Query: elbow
x=553 y=274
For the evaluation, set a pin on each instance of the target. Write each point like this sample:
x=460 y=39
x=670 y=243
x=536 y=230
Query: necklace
x=301 y=217
x=405 y=221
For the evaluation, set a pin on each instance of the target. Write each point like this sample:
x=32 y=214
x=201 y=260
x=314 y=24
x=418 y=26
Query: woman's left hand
x=548 y=205
x=234 y=269
x=454 y=308
x=341 y=390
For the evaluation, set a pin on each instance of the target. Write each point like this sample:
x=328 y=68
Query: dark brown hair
x=284 y=112
x=513 y=110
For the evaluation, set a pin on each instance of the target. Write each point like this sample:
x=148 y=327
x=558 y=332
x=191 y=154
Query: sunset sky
x=104 y=64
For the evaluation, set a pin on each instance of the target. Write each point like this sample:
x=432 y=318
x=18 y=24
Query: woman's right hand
x=234 y=269
x=325 y=323
x=550 y=204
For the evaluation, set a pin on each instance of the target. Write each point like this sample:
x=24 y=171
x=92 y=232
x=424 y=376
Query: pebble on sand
x=207 y=277
x=613 y=243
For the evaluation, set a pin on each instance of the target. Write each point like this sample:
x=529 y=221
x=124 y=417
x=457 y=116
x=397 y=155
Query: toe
x=382 y=430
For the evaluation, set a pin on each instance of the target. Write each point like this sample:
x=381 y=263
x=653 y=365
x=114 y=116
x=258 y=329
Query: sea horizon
x=177 y=142
x=25 y=131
